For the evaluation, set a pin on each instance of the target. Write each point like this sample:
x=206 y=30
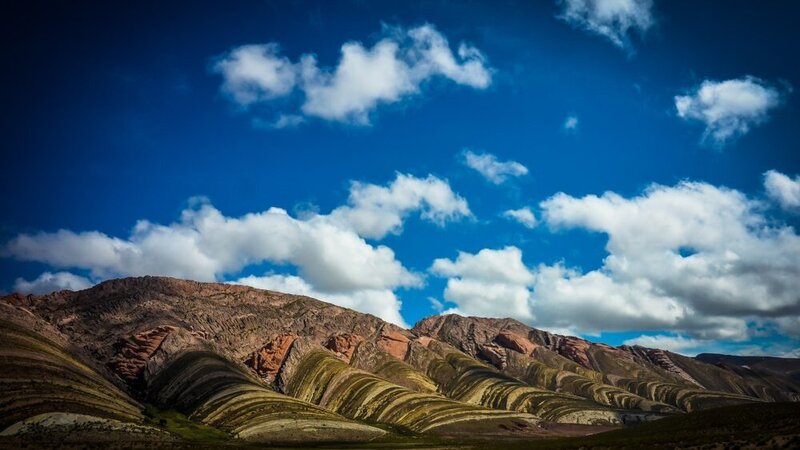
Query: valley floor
x=772 y=426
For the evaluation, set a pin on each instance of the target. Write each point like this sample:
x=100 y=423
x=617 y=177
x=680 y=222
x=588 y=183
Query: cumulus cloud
x=487 y=283
x=394 y=68
x=491 y=168
x=374 y=211
x=50 y=282
x=692 y=258
x=676 y=344
x=254 y=73
x=523 y=215
x=329 y=251
x=616 y=20
x=729 y=109
x=782 y=189
x=382 y=303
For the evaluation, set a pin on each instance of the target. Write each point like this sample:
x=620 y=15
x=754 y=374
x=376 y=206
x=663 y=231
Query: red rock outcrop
x=343 y=345
x=133 y=352
x=576 y=350
x=394 y=343
x=267 y=361
x=495 y=354
x=515 y=342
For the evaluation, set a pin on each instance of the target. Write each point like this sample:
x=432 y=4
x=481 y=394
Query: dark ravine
x=262 y=366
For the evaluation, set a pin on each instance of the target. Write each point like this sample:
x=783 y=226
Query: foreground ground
x=775 y=426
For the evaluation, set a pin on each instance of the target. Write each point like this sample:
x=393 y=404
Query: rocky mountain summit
x=242 y=363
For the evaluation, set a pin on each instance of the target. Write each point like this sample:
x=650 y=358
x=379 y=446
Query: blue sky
x=392 y=136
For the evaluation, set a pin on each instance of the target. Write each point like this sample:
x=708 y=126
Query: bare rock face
x=394 y=342
x=343 y=345
x=576 y=350
x=132 y=353
x=495 y=354
x=267 y=361
x=423 y=340
x=513 y=341
x=173 y=346
x=661 y=359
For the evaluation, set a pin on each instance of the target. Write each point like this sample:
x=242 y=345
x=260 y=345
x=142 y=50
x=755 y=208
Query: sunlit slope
x=38 y=375
x=369 y=358
x=212 y=390
x=465 y=379
x=579 y=381
x=316 y=376
x=597 y=372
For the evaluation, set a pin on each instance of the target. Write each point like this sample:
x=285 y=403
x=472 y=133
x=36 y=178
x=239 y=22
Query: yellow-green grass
x=483 y=385
x=213 y=391
x=320 y=378
x=536 y=373
x=686 y=398
x=369 y=358
x=644 y=388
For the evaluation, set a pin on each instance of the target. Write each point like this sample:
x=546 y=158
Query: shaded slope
x=40 y=375
x=765 y=425
x=768 y=365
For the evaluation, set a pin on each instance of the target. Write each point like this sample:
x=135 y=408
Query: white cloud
x=254 y=73
x=283 y=121
x=615 y=20
x=49 y=282
x=571 y=123
x=493 y=170
x=330 y=254
x=728 y=109
x=490 y=283
x=374 y=211
x=394 y=68
x=782 y=189
x=436 y=304
x=781 y=350
x=675 y=344
x=523 y=215
x=379 y=302
x=692 y=258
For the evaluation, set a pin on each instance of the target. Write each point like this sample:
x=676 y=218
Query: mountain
x=765 y=366
x=163 y=360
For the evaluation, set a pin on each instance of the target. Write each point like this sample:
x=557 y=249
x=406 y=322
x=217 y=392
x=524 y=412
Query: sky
x=623 y=170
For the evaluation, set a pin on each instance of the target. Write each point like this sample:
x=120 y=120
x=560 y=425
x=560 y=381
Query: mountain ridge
x=265 y=366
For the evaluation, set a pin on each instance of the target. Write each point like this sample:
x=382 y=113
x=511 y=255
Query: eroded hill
x=262 y=366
